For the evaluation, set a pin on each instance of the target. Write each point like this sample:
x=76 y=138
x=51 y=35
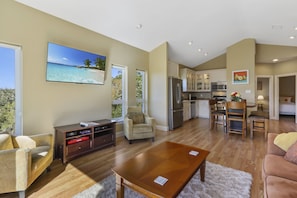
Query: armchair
x=138 y=125
x=22 y=160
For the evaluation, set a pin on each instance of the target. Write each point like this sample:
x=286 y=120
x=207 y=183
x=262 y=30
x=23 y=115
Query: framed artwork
x=240 y=77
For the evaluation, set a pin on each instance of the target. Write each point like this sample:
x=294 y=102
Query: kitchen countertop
x=196 y=99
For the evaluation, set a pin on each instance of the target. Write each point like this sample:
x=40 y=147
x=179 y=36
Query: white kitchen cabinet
x=187 y=110
x=203 y=108
x=188 y=76
x=202 y=82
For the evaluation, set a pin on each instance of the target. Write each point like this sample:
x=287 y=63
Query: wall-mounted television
x=65 y=64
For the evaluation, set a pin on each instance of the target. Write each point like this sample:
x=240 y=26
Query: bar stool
x=258 y=122
x=217 y=114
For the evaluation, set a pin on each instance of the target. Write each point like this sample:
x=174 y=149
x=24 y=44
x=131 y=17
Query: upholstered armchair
x=138 y=125
x=22 y=160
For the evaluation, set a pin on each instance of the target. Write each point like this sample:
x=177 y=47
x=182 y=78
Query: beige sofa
x=22 y=160
x=279 y=175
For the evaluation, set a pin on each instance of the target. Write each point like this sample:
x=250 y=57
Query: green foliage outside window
x=7 y=109
x=139 y=84
x=117 y=95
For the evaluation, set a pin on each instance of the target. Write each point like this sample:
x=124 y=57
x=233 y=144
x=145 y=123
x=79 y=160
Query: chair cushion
x=277 y=187
x=142 y=128
x=5 y=142
x=39 y=151
x=278 y=166
x=136 y=117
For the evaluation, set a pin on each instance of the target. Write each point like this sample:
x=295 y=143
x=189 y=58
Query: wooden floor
x=231 y=151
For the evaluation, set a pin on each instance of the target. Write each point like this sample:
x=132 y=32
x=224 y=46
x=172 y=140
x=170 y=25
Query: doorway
x=285 y=95
x=264 y=94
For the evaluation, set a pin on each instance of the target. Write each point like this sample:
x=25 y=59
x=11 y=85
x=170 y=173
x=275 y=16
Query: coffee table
x=170 y=160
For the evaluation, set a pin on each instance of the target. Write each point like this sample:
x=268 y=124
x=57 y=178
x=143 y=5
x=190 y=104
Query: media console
x=74 y=140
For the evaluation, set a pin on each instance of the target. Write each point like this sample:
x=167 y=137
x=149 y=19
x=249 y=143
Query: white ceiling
x=211 y=25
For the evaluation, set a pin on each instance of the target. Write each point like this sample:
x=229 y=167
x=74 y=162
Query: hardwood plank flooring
x=81 y=173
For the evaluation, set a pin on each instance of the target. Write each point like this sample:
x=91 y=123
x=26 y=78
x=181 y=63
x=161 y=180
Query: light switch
x=248 y=91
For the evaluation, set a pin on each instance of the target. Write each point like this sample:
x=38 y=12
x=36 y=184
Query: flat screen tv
x=65 y=64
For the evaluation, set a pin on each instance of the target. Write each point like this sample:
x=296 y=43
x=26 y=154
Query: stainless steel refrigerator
x=175 y=103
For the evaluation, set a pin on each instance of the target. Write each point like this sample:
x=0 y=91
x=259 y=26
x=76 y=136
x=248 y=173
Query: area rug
x=220 y=182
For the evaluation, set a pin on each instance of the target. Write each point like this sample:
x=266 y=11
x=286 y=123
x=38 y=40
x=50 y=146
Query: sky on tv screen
x=70 y=56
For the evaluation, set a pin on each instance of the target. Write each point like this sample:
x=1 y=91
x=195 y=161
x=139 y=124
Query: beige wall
x=49 y=104
x=216 y=63
x=158 y=94
x=241 y=56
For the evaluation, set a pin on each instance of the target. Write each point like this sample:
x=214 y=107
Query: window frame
x=18 y=87
x=142 y=100
x=123 y=101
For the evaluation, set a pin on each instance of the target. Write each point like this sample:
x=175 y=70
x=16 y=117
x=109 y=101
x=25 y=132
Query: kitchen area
x=200 y=86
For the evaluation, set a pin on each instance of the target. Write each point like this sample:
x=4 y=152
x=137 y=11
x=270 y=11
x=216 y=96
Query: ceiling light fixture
x=190 y=43
x=199 y=50
x=295 y=28
x=275 y=60
x=205 y=54
x=139 y=26
x=292 y=37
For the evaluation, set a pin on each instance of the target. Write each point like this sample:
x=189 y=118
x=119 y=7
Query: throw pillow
x=25 y=142
x=285 y=140
x=5 y=142
x=291 y=154
x=137 y=117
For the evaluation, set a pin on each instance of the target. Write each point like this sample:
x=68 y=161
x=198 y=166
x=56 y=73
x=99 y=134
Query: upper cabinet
x=189 y=79
x=200 y=81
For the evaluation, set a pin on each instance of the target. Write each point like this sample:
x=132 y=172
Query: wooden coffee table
x=170 y=160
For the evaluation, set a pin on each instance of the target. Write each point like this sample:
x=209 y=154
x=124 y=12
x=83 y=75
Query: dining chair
x=236 y=117
x=217 y=114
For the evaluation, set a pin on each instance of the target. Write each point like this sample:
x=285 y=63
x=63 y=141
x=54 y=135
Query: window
x=10 y=89
x=118 y=84
x=140 y=89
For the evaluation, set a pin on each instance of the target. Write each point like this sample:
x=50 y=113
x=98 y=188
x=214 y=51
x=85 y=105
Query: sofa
x=22 y=160
x=279 y=174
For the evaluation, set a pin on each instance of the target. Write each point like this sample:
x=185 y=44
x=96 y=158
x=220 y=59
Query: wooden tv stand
x=72 y=141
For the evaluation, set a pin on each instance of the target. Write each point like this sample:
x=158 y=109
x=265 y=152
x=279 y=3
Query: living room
x=46 y=104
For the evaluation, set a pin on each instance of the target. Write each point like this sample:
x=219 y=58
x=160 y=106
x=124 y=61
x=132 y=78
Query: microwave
x=219 y=86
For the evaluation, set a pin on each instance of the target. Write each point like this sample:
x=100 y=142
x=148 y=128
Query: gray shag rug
x=220 y=182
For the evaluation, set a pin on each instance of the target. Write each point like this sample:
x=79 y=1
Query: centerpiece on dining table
x=235 y=96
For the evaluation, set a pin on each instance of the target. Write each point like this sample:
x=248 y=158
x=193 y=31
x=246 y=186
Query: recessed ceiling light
x=199 y=50
x=275 y=60
x=205 y=54
x=292 y=37
x=190 y=43
x=139 y=26
x=295 y=28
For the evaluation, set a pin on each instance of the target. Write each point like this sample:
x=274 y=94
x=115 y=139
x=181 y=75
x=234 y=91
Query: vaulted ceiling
x=196 y=31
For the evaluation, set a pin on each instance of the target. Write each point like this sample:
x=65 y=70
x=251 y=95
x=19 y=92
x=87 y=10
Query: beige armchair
x=138 y=125
x=22 y=160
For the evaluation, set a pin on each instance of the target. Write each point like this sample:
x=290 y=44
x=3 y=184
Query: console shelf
x=73 y=140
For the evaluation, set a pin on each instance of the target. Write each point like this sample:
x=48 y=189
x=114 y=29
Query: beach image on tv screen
x=65 y=64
